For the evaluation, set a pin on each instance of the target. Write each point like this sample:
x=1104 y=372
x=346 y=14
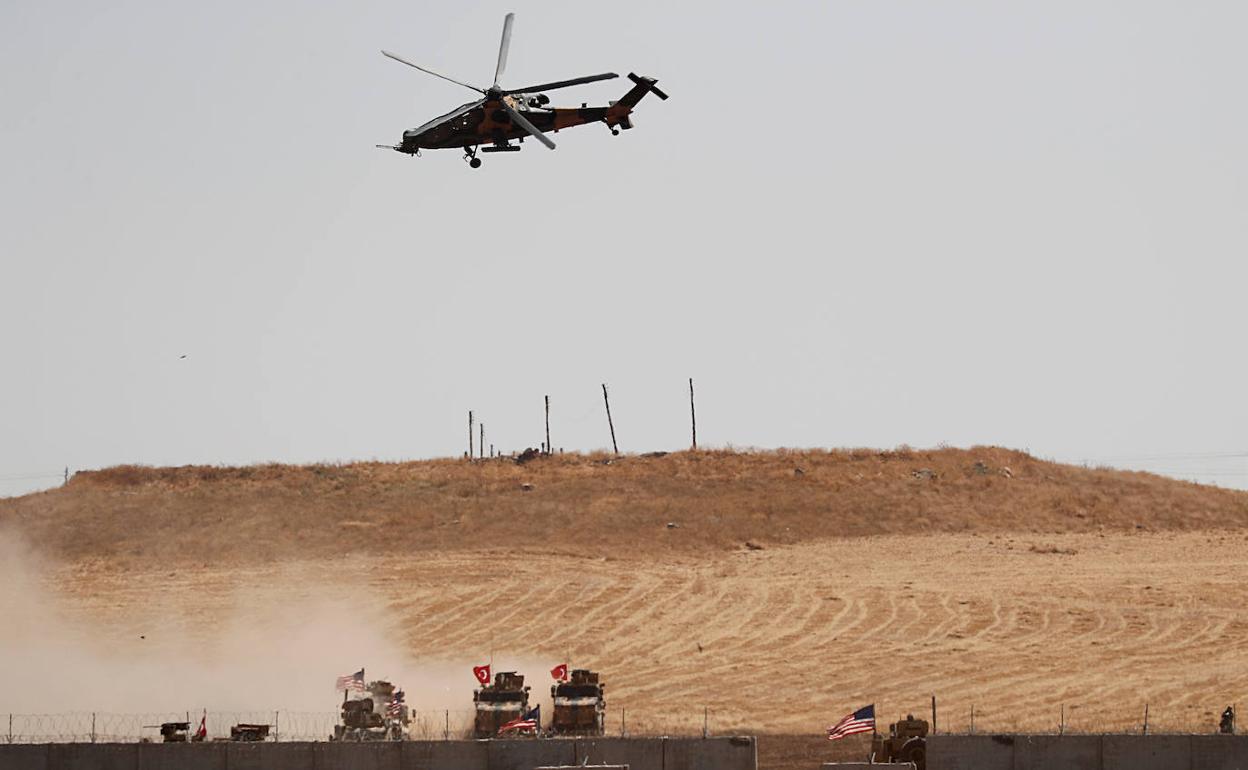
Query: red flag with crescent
x=560 y=672
x=482 y=673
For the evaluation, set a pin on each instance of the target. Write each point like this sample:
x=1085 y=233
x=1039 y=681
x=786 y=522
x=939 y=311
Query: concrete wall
x=1087 y=752
x=704 y=754
x=867 y=766
x=637 y=753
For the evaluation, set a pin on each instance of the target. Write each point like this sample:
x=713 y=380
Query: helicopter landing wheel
x=475 y=163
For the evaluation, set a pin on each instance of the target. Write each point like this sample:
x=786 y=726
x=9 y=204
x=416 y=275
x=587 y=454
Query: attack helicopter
x=504 y=115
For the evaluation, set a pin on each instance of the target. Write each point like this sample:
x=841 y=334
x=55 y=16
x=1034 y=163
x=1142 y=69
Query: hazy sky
x=854 y=223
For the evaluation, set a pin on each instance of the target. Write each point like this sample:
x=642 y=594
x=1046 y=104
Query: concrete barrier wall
x=619 y=751
x=1076 y=752
x=1087 y=752
x=971 y=752
x=637 y=753
x=1215 y=752
x=703 y=754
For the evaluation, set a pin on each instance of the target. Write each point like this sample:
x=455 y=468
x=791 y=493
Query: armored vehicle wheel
x=914 y=750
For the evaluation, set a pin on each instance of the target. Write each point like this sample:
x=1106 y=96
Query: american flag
x=395 y=707
x=861 y=721
x=531 y=720
x=351 y=681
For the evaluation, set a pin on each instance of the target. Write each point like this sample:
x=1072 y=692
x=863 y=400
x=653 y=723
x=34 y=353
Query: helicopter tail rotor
x=643 y=85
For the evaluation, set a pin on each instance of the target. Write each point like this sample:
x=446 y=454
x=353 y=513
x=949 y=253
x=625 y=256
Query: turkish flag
x=482 y=673
x=560 y=672
x=202 y=732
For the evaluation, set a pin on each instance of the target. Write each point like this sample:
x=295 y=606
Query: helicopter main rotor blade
x=524 y=123
x=561 y=84
x=503 y=45
x=401 y=60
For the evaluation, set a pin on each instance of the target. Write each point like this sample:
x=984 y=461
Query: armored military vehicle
x=249 y=733
x=906 y=742
x=377 y=715
x=175 y=732
x=580 y=708
x=499 y=703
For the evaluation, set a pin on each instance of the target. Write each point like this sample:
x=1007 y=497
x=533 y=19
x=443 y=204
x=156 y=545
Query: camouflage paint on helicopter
x=507 y=114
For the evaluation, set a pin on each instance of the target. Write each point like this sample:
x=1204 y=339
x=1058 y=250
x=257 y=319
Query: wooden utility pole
x=693 y=415
x=548 y=449
x=471 y=454
x=481 y=446
x=610 y=424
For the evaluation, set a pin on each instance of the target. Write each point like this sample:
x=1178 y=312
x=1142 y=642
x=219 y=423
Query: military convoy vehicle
x=174 y=732
x=906 y=742
x=498 y=703
x=249 y=733
x=374 y=716
x=580 y=708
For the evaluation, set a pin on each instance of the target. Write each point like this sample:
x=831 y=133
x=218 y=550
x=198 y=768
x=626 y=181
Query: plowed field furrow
x=787 y=645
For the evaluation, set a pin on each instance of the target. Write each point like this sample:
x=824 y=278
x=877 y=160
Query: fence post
x=1061 y=726
x=705 y=721
x=276 y=732
x=469 y=434
x=10 y=728
x=623 y=728
x=693 y=416
x=972 y=719
x=1146 y=719
x=610 y=424
x=548 y=449
x=446 y=735
x=93 y=727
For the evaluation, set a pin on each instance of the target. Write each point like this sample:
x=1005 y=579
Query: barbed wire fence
x=423 y=725
x=457 y=724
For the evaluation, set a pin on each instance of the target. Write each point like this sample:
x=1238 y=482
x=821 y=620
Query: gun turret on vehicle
x=175 y=732
x=499 y=703
x=580 y=708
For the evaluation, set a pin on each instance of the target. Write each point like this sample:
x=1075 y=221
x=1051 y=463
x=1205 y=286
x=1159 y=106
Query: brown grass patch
x=585 y=504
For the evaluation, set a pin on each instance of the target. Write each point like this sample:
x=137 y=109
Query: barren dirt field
x=1128 y=590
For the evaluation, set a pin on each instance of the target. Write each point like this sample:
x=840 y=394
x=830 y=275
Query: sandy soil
x=785 y=640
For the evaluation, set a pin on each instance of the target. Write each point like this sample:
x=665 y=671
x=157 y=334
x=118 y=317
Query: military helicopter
x=506 y=114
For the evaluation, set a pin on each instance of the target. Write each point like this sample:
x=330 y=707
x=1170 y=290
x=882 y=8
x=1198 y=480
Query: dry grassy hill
x=997 y=581
x=594 y=504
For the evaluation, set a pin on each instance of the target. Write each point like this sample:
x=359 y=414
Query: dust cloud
x=276 y=645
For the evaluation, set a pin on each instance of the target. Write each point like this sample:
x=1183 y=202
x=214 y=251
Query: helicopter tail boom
x=642 y=85
x=618 y=113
